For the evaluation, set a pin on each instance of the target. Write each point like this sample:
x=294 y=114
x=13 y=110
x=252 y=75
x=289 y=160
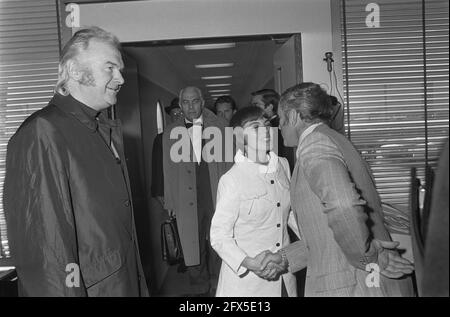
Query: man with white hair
x=67 y=193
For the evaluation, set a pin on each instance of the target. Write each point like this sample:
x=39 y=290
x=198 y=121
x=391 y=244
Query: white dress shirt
x=251 y=216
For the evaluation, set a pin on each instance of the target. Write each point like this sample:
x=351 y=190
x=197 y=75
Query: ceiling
x=251 y=59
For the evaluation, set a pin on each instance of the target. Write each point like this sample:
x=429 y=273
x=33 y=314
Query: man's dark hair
x=225 y=99
x=175 y=103
x=246 y=114
x=269 y=96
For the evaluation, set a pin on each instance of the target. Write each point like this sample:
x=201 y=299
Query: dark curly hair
x=246 y=114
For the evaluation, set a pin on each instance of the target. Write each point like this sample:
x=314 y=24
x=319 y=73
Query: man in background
x=175 y=113
x=267 y=99
x=225 y=107
x=190 y=190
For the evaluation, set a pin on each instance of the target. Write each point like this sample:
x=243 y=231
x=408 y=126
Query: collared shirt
x=195 y=133
x=271 y=167
x=305 y=133
x=94 y=119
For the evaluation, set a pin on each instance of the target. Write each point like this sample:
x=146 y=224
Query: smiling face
x=257 y=138
x=99 y=75
x=191 y=103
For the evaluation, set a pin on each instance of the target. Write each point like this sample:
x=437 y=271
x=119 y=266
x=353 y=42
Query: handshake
x=266 y=265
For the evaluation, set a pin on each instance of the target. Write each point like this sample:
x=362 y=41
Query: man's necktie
x=190 y=124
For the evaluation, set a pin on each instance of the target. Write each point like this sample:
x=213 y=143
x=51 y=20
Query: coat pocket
x=335 y=280
x=102 y=267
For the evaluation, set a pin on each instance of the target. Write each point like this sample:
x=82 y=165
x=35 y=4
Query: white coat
x=251 y=216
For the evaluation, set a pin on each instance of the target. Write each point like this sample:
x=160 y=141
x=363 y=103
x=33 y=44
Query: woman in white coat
x=252 y=213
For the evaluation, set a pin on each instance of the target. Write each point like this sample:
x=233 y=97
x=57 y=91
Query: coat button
x=191 y=204
x=278 y=204
x=190 y=188
x=189 y=171
x=278 y=225
x=126 y=203
x=277 y=244
x=272 y=181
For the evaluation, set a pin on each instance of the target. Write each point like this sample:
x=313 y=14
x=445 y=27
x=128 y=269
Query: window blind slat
x=386 y=88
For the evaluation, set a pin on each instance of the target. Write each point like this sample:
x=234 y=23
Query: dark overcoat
x=180 y=186
x=68 y=205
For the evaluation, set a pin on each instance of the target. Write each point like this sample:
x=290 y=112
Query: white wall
x=177 y=19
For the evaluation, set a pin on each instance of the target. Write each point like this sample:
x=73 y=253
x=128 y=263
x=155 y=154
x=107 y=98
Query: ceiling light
x=218 y=85
x=219 y=90
x=209 y=46
x=214 y=65
x=216 y=77
x=219 y=95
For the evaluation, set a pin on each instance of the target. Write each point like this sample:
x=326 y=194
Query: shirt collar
x=198 y=121
x=305 y=133
x=271 y=167
x=86 y=115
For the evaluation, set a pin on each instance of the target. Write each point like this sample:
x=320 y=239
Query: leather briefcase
x=170 y=242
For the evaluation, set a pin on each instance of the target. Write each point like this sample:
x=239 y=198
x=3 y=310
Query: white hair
x=190 y=87
x=78 y=43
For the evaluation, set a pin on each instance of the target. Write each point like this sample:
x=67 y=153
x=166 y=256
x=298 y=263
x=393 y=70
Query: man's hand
x=392 y=265
x=254 y=264
x=273 y=265
x=160 y=199
x=266 y=265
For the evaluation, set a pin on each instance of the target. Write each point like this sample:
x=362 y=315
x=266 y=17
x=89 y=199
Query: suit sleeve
x=222 y=226
x=168 y=168
x=329 y=179
x=41 y=225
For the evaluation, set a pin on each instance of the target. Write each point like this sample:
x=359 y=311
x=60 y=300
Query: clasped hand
x=392 y=265
x=266 y=265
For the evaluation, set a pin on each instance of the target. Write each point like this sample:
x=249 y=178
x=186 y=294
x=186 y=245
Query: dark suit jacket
x=157 y=167
x=435 y=275
x=283 y=151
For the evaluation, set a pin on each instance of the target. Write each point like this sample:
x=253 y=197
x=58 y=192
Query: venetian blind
x=29 y=52
x=396 y=79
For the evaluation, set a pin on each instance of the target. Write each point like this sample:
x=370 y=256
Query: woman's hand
x=264 y=265
x=254 y=264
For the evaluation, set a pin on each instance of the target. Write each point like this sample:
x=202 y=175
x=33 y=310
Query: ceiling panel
x=252 y=59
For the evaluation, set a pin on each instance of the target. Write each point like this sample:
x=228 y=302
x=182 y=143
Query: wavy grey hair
x=78 y=43
x=309 y=100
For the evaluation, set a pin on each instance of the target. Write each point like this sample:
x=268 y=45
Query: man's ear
x=292 y=117
x=74 y=70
